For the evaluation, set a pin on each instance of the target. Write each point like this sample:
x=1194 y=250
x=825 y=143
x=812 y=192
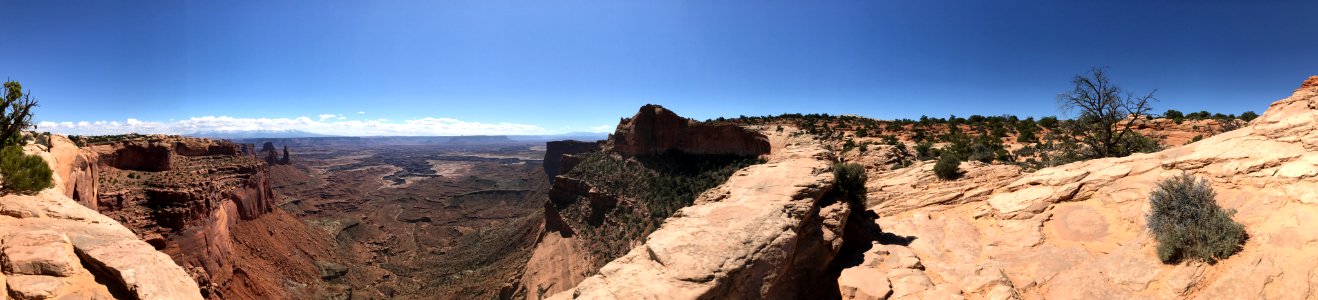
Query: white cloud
x=361 y=112
x=333 y=125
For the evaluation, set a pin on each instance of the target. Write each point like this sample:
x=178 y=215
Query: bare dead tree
x=15 y=113
x=1107 y=114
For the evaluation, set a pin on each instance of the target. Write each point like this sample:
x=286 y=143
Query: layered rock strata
x=183 y=195
x=53 y=247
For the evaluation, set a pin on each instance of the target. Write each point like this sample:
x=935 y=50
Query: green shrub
x=1138 y=143
x=848 y=145
x=1026 y=135
x=849 y=179
x=1049 y=122
x=23 y=173
x=1175 y=115
x=947 y=167
x=1187 y=222
x=924 y=151
x=1248 y=116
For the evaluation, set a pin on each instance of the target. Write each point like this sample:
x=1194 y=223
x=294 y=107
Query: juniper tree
x=1106 y=113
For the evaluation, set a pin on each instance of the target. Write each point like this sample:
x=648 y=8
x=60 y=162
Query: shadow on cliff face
x=105 y=276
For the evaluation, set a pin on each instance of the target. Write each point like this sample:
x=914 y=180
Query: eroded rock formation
x=756 y=236
x=183 y=195
x=77 y=170
x=655 y=130
x=53 y=247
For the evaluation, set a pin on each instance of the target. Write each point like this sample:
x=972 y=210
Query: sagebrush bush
x=947 y=167
x=850 y=181
x=1187 y=222
x=23 y=173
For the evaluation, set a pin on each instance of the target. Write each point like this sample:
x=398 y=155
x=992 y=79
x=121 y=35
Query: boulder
x=40 y=252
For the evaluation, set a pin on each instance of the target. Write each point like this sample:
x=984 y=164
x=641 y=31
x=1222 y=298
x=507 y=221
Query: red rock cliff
x=655 y=130
x=183 y=195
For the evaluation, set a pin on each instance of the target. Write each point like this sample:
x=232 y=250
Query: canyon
x=234 y=221
x=666 y=207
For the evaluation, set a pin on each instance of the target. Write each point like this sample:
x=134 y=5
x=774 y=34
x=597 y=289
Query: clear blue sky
x=558 y=66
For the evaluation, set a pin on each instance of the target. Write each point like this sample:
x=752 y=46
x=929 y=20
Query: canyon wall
x=184 y=195
x=52 y=246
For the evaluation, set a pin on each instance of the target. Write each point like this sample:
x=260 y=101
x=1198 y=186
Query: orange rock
x=655 y=130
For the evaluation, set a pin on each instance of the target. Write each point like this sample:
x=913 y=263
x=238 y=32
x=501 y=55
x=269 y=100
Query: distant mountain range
x=579 y=136
x=256 y=134
x=290 y=134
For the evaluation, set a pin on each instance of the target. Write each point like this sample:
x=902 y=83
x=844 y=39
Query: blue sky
x=532 y=67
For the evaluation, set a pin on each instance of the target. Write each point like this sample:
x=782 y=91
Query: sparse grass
x=1188 y=223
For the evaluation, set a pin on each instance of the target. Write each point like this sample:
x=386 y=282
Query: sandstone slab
x=1078 y=231
x=40 y=252
x=736 y=240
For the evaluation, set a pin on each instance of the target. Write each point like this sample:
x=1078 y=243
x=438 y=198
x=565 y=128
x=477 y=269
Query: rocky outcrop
x=204 y=147
x=655 y=130
x=1174 y=134
x=157 y=153
x=248 y=150
x=53 y=247
x=755 y=236
x=272 y=156
x=1078 y=230
x=560 y=155
x=136 y=155
x=880 y=157
x=77 y=172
